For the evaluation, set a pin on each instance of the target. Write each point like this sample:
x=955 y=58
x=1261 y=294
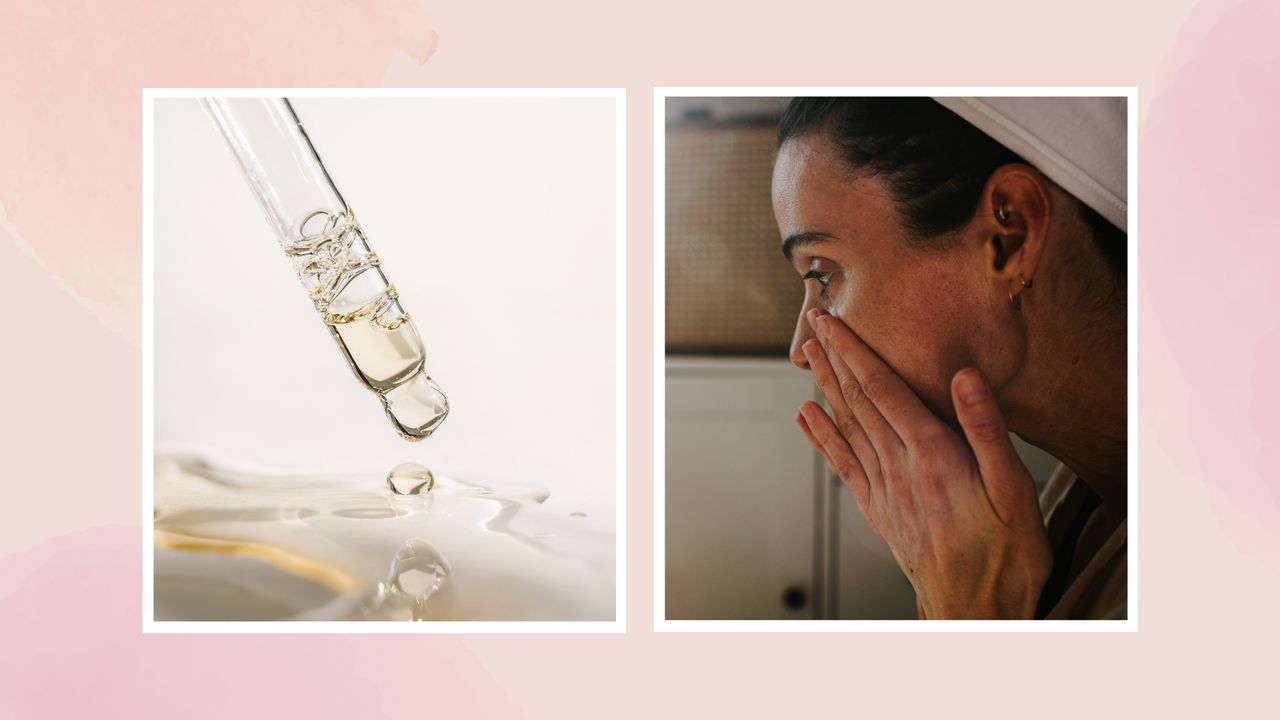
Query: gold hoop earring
x=1016 y=300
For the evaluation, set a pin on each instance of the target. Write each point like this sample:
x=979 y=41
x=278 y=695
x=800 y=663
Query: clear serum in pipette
x=363 y=311
x=332 y=257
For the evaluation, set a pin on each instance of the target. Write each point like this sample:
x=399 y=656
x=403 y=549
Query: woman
x=954 y=293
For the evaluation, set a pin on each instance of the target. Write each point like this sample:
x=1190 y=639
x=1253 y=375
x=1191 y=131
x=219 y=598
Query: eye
x=823 y=277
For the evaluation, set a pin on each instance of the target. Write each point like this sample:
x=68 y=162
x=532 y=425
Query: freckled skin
x=927 y=311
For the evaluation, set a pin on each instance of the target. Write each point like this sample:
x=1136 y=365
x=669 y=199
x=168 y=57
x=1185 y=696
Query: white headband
x=1078 y=142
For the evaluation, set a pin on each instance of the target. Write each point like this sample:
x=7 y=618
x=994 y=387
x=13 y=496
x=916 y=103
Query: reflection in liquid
x=417 y=572
x=253 y=514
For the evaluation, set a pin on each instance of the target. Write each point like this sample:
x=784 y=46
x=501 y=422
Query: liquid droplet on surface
x=410 y=479
x=577 y=514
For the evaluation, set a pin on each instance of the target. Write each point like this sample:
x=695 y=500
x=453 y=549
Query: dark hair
x=934 y=162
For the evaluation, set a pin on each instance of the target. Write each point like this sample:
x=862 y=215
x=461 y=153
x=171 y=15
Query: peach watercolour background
x=1209 y=346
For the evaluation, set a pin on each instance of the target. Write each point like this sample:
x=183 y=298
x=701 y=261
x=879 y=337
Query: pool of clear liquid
x=236 y=545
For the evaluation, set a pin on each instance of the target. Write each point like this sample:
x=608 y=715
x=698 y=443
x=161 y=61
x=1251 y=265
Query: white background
x=495 y=218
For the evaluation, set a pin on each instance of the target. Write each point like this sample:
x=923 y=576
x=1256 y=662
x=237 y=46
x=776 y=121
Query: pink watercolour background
x=1209 y=345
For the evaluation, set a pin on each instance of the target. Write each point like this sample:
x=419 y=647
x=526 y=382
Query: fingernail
x=973 y=389
x=820 y=325
x=810 y=349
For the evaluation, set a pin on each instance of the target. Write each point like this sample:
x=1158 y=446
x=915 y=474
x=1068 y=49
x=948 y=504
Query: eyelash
x=822 y=277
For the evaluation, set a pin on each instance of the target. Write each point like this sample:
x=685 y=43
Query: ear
x=1013 y=221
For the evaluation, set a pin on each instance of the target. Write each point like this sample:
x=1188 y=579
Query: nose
x=803 y=333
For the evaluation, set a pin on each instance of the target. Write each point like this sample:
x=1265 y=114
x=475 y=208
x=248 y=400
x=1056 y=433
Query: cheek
x=919 y=330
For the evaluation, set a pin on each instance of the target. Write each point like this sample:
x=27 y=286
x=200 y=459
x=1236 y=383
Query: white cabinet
x=755 y=526
x=741 y=487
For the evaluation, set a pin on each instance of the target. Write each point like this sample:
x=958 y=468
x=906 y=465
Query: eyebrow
x=801 y=239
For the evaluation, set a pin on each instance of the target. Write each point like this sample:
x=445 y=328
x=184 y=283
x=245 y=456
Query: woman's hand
x=961 y=519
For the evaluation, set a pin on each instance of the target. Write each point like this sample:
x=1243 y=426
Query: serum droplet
x=410 y=479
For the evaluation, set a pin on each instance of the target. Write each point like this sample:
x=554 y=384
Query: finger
x=804 y=427
x=1006 y=479
x=864 y=501
x=845 y=383
x=825 y=377
x=896 y=402
x=839 y=455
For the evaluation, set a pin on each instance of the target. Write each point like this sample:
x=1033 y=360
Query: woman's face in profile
x=918 y=307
